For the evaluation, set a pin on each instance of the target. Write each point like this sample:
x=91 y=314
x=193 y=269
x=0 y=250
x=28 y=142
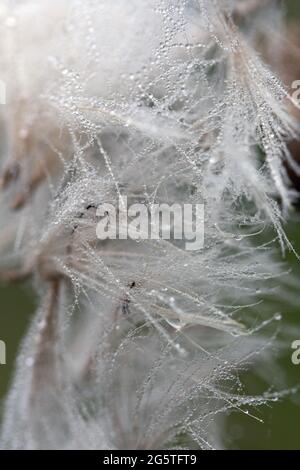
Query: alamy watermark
x=152 y=222
x=296 y=354
x=296 y=93
x=2 y=92
x=2 y=353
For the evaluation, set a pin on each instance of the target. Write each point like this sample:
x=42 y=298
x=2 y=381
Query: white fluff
x=161 y=101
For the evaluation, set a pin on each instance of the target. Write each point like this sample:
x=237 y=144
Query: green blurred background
x=280 y=429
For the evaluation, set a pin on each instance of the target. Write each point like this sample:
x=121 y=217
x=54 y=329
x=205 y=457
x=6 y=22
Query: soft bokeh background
x=280 y=429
